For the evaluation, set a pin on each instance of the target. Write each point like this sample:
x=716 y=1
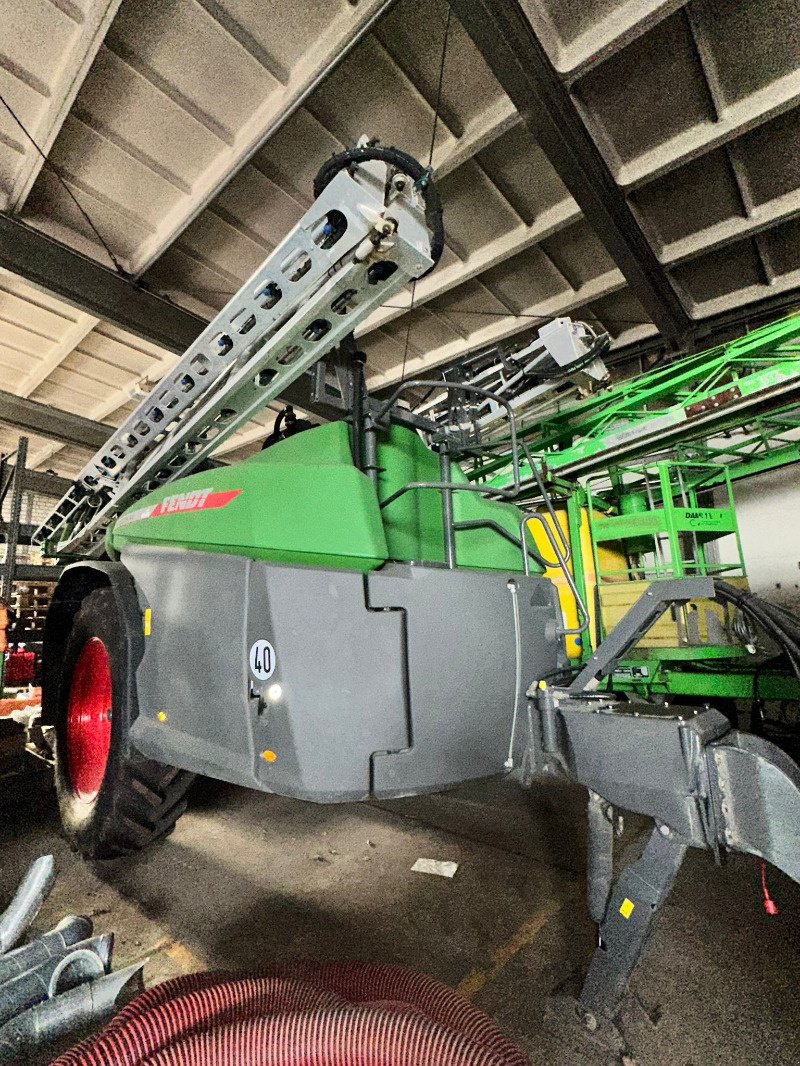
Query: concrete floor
x=249 y=879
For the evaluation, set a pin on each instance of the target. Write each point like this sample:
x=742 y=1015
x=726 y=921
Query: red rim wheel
x=88 y=733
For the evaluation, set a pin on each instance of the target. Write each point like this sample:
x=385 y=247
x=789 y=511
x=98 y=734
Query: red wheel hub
x=89 y=720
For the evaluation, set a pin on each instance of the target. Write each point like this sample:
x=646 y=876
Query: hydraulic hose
x=776 y=622
x=307 y=1014
x=29 y=897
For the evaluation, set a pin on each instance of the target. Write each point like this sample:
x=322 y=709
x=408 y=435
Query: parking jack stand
x=638 y=895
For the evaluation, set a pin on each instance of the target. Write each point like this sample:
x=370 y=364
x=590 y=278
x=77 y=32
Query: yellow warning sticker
x=626 y=910
x=148 y=615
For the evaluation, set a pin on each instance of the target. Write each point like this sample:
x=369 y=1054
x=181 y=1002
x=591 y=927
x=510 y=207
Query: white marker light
x=274 y=693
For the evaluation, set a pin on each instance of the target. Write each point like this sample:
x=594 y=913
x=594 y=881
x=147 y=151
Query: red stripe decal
x=183 y=503
x=199 y=500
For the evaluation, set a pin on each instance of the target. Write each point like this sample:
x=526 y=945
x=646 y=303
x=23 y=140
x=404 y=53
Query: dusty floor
x=247 y=879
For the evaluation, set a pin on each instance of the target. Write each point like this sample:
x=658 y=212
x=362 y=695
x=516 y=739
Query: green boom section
x=303 y=502
x=694 y=398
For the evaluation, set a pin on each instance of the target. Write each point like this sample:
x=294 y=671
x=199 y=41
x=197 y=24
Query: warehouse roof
x=633 y=164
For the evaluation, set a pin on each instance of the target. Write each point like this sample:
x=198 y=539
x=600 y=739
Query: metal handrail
x=451 y=486
x=565 y=546
x=422 y=383
x=445 y=486
x=534 y=516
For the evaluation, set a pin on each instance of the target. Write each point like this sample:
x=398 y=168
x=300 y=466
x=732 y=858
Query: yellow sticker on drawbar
x=626 y=910
x=147 y=619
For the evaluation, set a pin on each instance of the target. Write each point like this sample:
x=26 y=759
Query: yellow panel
x=607 y=558
x=617 y=596
x=667 y=632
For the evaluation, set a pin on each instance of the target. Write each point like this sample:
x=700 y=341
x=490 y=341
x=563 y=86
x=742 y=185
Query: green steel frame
x=765 y=442
x=673 y=519
x=669 y=537
x=687 y=400
x=697 y=424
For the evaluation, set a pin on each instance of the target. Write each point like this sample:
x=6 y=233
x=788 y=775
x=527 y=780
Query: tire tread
x=143 y=798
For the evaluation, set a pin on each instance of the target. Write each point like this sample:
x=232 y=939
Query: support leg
x=599 y=856
x=641 y=890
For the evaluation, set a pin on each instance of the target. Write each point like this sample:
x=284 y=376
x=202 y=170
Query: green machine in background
x=649 y=521
x=752 y=380
x=641 y=482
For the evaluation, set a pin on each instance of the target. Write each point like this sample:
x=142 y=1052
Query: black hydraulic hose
x=69 y=931
x=80 y=962
x=29 y=897
x=402 y=162
x=775 y=623
x=786 y=622
x=89 y=1004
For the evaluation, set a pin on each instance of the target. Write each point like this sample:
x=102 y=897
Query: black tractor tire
x=137 y=800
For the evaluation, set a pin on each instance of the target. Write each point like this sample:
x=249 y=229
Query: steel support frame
x=734 y=683
x=517 y=59
x=629 y=921
x=702 y=783
x=14 y=520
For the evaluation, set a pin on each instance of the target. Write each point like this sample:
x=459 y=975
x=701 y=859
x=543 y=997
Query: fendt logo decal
x=183 y=503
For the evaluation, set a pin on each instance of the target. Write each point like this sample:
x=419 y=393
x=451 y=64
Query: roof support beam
x=42 y=484
x=91 y=287
x=517 y=59
x=28 y=416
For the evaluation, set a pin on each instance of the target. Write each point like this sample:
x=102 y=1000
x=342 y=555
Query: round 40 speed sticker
x=262 y=660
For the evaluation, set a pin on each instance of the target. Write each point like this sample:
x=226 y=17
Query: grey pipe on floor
x=91 y=1003
x=31 y=894
x=92 y=957
x=55 y=943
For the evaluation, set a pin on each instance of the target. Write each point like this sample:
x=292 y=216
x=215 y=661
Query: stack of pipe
x=58 y=984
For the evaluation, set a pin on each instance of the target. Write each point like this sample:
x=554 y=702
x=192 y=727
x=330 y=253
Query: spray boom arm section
x=365 y=236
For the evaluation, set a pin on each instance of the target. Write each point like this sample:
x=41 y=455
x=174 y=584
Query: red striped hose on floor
x=303 y=1014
